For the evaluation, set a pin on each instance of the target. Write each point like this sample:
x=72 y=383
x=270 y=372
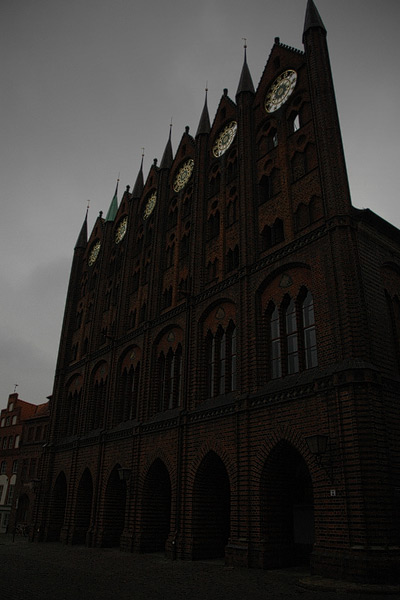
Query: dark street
x=57 y=572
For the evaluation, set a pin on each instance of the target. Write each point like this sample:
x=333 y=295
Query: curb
x=315 y=582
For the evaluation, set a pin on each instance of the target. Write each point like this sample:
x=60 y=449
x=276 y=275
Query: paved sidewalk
x=58 y=572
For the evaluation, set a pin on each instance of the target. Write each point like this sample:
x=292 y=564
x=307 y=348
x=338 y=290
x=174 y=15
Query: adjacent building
x=227 y=382
x=13 y=428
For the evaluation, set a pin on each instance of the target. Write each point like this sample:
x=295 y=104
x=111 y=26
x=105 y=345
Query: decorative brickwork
x=236 y=311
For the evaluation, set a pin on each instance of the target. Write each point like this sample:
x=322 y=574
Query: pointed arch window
x=213 y=226
x=212 y=269
x=275 y=342
x=272 y=139
x=135 y=281
x=73 y=407
x=221 y=359
x=170 y=378
x=291 y=332
x=129 y=394
x=232 y=259
x=309 y=333
x=184 y=245
x=170 y=255
x=291 y=339
x=294 y=122
x=166 y=298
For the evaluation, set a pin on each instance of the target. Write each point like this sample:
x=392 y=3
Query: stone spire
x=204 y=123
x=313 y=18
x=246 y=82
x=167 y=157
x=139 y=184
x=81 y=242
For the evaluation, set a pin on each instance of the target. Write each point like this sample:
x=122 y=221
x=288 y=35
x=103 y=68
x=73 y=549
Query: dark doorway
x=211 y=509
x=114 y=510
x=23 y=510
x=287 y=508
x=156 y=508
x=57 y=508
x=83 y=508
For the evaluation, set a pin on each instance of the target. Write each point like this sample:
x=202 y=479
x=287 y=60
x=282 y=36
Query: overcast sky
x=85 y=84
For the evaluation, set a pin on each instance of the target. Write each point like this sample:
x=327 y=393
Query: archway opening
x=156 y=508
x=23 y=510
x=57 y=508
x=287 y=508
x=114 y=510
x=211 y=509
x=83 y=508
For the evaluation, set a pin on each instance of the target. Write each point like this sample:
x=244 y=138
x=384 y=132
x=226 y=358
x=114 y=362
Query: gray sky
x=85 y=84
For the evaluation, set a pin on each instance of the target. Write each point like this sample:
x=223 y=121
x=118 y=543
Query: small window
x=11 y=406
x=3 y=467
x=15 y=466
x=10 y=494
x=14 y=420
x=294 y=122
x=16 y=445
x=3 y=421
x=5 y=443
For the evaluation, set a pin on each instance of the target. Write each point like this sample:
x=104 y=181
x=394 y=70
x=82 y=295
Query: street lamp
x=318 y=446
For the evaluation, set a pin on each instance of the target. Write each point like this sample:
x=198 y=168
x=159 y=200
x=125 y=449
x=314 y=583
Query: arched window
x=73 y=406
x=232 y=259
x=142 y=312
x=170 y=378
x=231 y=212
x=135 y=281
x=129 y=392
x=291 y=335
x=97 y=405
x=272 y=139
x=166 y=300
x=213 y=226
x=310 y=339
x=184 y=245
x=212 y=269
x=291 y=338
x=298 y=165
x=275 y=342
x=294 y=122
x=221 y=357
x=170 y=256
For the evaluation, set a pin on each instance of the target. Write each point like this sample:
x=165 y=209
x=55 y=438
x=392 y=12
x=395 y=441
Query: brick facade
x=210 y=334
x=23 y=431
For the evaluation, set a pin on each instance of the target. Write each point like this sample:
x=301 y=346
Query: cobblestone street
x=57 y=572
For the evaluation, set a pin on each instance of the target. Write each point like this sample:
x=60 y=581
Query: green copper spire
x=112 y=211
